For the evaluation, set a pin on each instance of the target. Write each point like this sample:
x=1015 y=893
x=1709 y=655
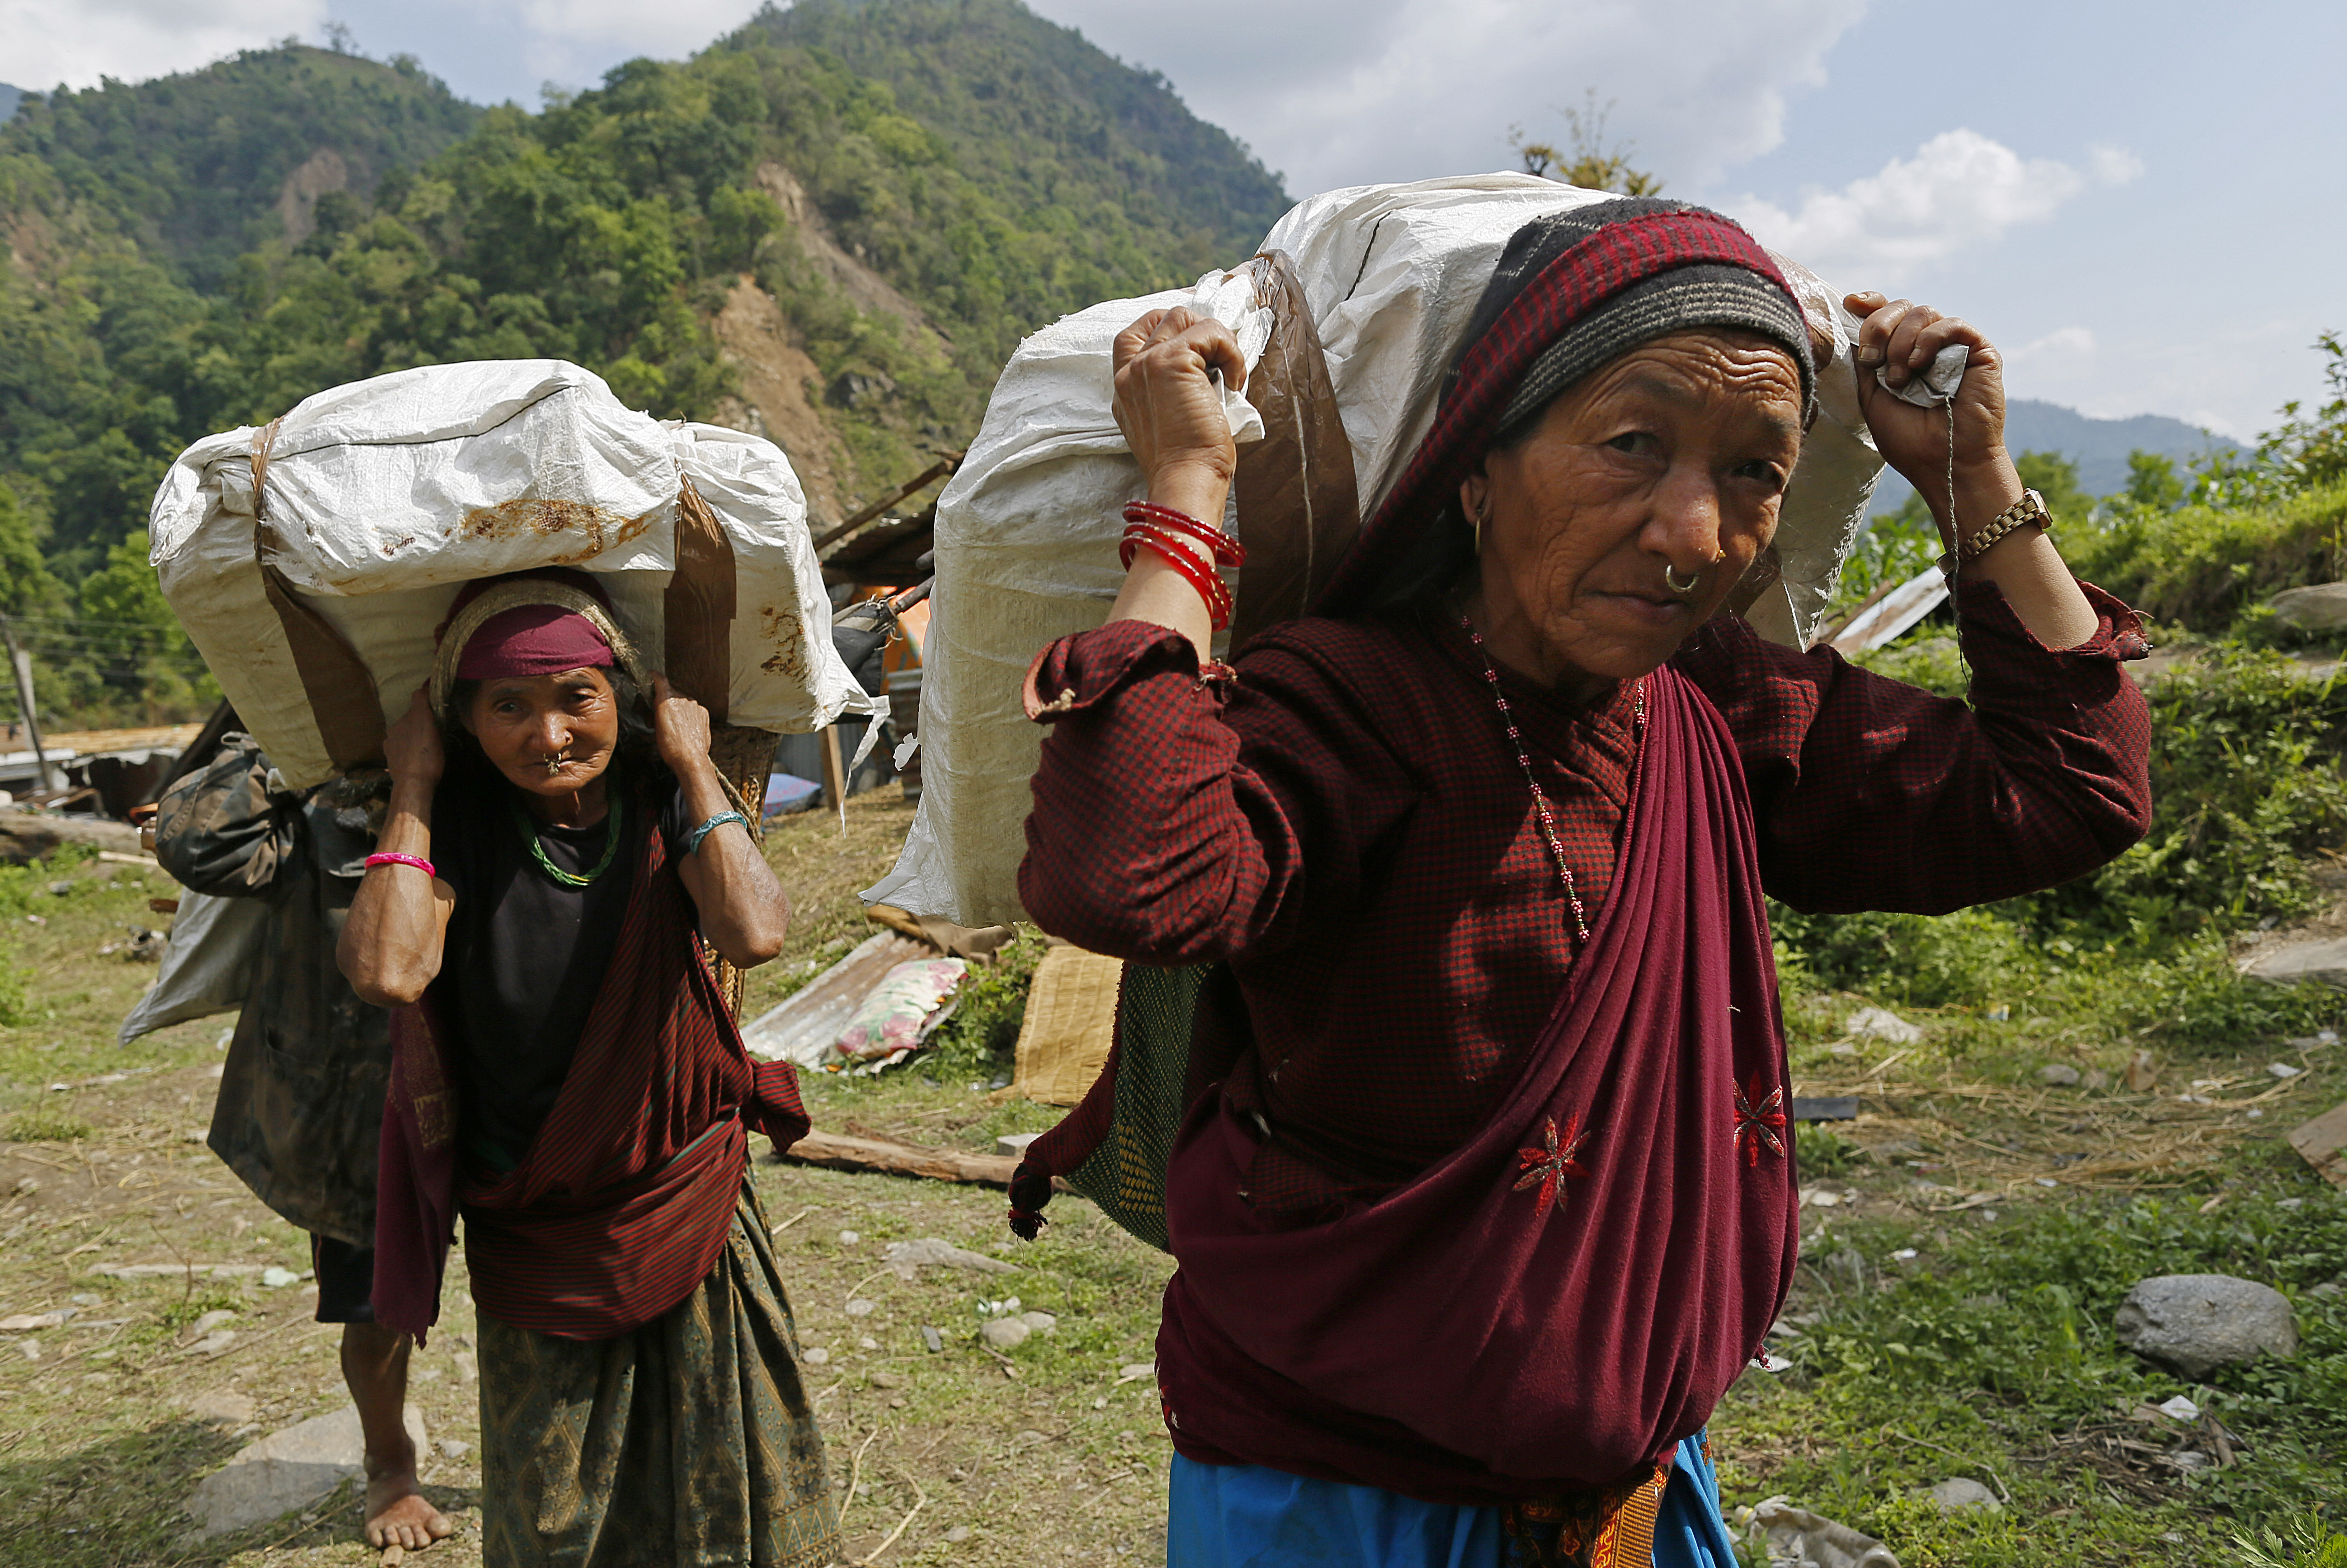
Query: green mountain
x=832 y=226
x=2098 y=449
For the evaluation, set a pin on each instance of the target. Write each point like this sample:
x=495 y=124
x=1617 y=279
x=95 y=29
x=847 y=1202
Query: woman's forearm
x=2025 y=564
x=743 y=911
x=391 y=944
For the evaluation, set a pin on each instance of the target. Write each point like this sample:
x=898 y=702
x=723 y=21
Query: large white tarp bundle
x=1027 y=531
x=380 y=499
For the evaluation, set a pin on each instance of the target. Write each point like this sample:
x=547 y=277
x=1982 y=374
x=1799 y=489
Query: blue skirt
x=1246 y=1516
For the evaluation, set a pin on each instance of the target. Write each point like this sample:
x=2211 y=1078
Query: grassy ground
x=1954 y=1315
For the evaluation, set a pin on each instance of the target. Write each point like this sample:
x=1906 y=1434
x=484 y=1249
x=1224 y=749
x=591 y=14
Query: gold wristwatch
x=2030 y=508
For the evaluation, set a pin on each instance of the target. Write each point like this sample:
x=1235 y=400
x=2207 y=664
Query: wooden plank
x=2323 y=1143
x=837 y=1151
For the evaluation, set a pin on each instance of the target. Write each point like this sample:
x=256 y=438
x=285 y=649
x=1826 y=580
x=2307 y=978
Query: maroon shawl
x=1514 y=1322
x=628 y=1194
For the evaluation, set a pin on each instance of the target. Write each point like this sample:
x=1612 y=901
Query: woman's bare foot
x=396 y=1514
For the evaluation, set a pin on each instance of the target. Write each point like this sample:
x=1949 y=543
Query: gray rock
x=2194 y=1323
x=2060 y=1073
x=1004 y=1333
x=2321 y=608
x=2287 y=962
x=906 y=1258
x=222 y=1408
x=207 y=1323
x=1013 y=1146
x=1961 y=1494
x=286 y=1471
x=1880 y=1023
x=1040 y=1322
x=862 y=1306
x=1794 y=1536
x=931 y=1340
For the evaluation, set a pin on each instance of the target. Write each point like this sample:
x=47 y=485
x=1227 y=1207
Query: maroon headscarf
x=1572 y=291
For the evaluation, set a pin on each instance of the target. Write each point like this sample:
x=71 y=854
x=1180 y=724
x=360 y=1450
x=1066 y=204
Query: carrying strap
x=1299 y=503
x=699 y=606
x=343 y=702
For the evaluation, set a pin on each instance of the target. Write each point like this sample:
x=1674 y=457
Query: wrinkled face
x=1675 y=455
x=550 y=734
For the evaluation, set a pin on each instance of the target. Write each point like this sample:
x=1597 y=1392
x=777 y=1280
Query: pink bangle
x=420 y=864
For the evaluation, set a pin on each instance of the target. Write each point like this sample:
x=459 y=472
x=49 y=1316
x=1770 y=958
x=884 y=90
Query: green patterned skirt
x=687 y=1442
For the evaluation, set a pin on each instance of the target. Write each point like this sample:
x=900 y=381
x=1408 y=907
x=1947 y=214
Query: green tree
x=1588 y=160
x=2153 y=482
x=2055 y=477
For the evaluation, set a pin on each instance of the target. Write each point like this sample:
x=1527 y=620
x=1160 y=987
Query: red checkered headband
x=530 y=624
x=1572 y=291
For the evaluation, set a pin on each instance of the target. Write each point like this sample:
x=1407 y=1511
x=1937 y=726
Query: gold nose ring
x=1671 y=579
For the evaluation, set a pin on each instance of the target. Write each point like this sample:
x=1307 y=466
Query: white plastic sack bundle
x=381 y=498
x=1027 y=531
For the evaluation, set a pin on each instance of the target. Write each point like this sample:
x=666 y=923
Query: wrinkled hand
x=411 y=748
x=1900 y=338
x=680 y=729
x=1171 y=410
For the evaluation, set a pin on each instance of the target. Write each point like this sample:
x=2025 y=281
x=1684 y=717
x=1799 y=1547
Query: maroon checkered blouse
x=1346 y=823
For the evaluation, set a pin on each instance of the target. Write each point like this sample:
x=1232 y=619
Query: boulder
x=1882 y=1023
x=1004 y=1333
x=2194 y=1323
x=287 y=1470
x=2060 y=1073
x=2321 y=608
x=1784 y=1534
x=1961 y=1494
x=2293 y=959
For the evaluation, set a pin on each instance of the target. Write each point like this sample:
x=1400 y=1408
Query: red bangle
x=1175 y=548
x=1177 y=555
x=416 y=860
x=1227 y=550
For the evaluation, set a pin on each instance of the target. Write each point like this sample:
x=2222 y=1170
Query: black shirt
x=525 y=955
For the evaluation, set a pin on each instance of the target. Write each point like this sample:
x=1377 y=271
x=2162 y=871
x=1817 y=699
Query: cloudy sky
x=2143 y=202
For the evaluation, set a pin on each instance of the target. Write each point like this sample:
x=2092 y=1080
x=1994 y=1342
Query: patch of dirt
x=780 y=388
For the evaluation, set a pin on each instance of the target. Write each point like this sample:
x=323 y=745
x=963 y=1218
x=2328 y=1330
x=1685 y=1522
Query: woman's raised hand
x=1171 y=410
x=680 y=729
x=411 y=748
x=1900 y=338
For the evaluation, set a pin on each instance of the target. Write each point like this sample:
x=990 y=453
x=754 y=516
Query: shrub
x=985 y=1025
x=2208 y=566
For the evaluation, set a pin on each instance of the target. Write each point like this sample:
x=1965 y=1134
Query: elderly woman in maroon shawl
x=567 y=1078
x=1485 y=1193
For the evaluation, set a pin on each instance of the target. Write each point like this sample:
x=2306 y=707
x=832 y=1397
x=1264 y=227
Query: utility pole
x=23 y=663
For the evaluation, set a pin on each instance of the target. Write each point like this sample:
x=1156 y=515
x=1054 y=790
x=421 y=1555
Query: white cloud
x=2057 y=350
x=576 y=41
x=2114 y=165
x=1335 y=93
x=1959 y=190
x=44 y=44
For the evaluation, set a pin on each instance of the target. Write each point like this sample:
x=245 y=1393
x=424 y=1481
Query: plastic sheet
x=1027 y=531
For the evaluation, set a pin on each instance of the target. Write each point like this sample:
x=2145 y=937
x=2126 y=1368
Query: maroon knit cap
x=1572 y=291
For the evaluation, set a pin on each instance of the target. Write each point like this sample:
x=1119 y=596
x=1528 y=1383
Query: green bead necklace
x=523 y=821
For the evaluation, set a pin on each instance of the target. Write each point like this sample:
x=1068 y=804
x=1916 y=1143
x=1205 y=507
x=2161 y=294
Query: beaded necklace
x=1540 y=796
x=523 y=821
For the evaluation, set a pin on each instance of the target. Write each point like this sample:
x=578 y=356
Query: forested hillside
x=834 y=225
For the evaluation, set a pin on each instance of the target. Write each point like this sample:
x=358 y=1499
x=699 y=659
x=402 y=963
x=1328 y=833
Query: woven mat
x=1070 y=1022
